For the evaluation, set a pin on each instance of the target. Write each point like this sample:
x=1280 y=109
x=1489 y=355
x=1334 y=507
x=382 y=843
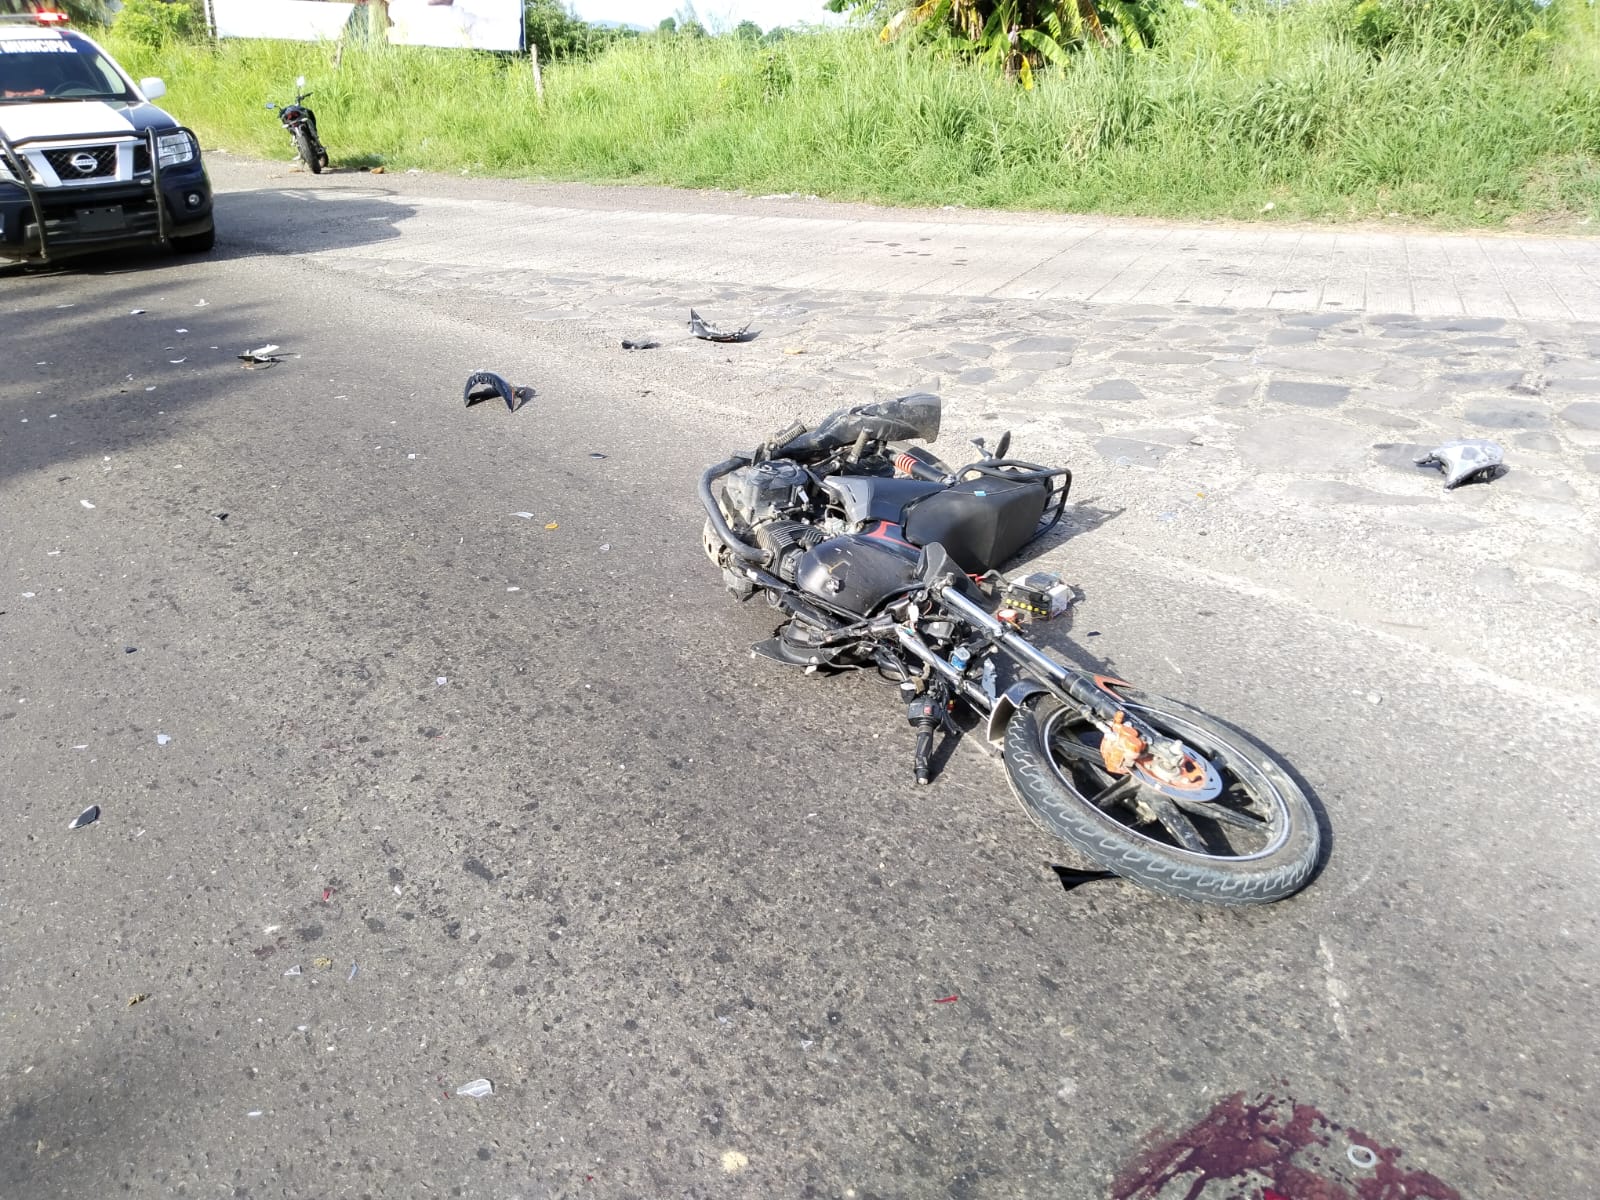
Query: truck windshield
x=56 y=69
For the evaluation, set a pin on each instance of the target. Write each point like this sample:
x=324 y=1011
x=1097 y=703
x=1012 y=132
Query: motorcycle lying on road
x=882 y=556
x=301 y=123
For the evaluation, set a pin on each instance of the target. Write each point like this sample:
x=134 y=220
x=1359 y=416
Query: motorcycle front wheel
x=306 y=146
x=1255 y=842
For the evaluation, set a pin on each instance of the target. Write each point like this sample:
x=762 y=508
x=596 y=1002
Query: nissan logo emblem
x=84 y=163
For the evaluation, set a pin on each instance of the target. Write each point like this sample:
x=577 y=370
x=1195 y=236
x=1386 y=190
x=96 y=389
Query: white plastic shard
x=1471 y=460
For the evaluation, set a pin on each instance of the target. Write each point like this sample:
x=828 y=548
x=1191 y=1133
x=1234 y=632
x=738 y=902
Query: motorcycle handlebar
x=738 y=546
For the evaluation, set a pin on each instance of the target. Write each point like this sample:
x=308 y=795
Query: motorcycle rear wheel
x=306 y=146
x=1257 y=842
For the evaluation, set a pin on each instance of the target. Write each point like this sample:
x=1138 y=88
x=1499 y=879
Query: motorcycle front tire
x=306 y=146
x=1257 y=842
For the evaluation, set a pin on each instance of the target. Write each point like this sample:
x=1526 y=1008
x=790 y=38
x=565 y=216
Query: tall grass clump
x=1457 y=112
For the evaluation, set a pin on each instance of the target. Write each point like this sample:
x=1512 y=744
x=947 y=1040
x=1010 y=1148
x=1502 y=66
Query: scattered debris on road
x=292 y=971
x=947 y=999
x=1074 y=879
x=163 y=738
x=639 y=344
x=710 y=333
x=477 y=1089
x=1471 y=460
x=87 y=817
x=260 y=358
x=485 y=385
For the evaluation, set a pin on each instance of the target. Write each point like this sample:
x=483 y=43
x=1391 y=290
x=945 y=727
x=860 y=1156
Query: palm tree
x=1021 y=35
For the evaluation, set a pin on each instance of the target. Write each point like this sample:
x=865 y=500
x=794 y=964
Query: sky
x=714 y=14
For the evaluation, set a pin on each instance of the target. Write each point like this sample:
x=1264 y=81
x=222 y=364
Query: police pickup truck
x=87 y=162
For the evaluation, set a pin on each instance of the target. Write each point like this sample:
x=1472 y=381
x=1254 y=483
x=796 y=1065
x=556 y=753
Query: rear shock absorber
x=916 y=463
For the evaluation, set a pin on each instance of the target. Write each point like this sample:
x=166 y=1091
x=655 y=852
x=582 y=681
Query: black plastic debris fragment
x=485 y=385
x=1075 y=879
x=597 y=454
x=219 y=516
x=87 y=817
x=1471 y=460
x=130 y=649
x=711 y=333
x=639 y=344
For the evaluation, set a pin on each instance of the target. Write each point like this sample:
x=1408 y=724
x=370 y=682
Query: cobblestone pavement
x=1260 y=444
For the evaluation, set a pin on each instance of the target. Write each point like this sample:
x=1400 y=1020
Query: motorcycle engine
x=761 y=497
x=764 y=490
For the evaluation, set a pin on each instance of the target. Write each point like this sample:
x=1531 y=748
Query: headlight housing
x=175 y=149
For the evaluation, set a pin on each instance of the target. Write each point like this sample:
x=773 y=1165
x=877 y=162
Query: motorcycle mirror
x=300 y=81
x=1003 y=445
x=271 y=104
x=982 y=449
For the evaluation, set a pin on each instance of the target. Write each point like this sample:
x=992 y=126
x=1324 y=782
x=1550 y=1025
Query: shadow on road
x=93 y=378
x=89 y=373
x=306 y=220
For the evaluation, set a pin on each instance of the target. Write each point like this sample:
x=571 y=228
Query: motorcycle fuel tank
x=858 y=572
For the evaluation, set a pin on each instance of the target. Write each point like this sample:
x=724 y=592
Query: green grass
x=1234 y=109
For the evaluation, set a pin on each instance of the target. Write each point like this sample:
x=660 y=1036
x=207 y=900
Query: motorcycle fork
x=1066 y=683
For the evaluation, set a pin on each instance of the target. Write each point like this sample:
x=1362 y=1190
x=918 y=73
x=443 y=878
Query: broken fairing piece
x=477 y=1089
x=639 y=344
x=711 y=333
x=87 y=817
x=485 y=385
x=1469 y=461
x=260 y=357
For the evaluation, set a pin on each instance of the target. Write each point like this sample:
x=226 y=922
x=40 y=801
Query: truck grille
x=87 y=162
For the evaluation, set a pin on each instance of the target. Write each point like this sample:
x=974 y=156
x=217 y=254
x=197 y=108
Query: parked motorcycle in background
x=883 y=557
x=301 y=123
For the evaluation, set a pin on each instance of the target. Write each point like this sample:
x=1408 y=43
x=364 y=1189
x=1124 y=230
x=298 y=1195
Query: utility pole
x=378 y=21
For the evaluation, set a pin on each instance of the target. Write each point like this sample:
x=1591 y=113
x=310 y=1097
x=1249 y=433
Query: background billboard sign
x=459 y=24
x=468 y=24
x=292 y=20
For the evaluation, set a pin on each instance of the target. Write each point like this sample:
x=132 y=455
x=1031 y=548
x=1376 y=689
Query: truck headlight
x=175 y=148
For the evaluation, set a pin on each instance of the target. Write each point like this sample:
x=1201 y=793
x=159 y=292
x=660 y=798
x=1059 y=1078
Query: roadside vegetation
x=1450 y=112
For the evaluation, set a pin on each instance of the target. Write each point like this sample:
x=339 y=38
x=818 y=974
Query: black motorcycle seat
x=875 y=498
x=980 y=522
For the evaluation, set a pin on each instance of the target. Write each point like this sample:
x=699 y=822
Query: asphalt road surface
x=429 y=749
